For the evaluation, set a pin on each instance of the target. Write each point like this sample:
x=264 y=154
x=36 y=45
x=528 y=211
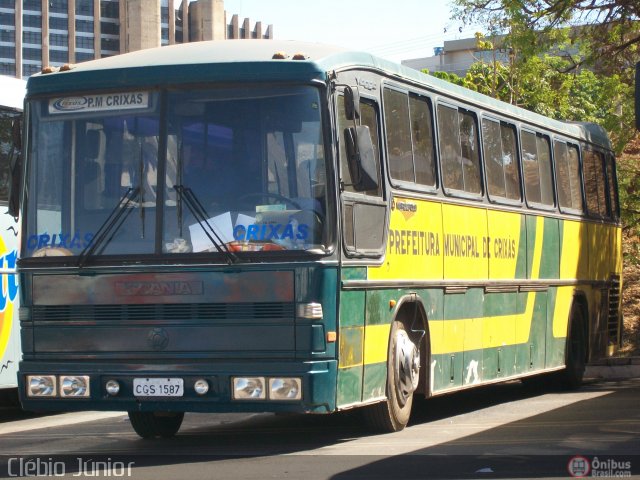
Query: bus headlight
x=249 y=388
x=41 y=386
x=310 y=311
x=285 y=389
x=112 y=387
x=201 y=386
x=74 y=386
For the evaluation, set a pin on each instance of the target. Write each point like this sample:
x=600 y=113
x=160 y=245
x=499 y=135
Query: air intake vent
x=613 y=321
x=212 y=312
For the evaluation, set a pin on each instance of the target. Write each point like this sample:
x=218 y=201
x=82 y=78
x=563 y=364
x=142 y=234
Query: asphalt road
x=502 y=431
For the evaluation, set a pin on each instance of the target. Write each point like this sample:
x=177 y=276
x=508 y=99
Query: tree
x=605 y=33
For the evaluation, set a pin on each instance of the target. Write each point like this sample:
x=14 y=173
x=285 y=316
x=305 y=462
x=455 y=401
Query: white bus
x=12 y=92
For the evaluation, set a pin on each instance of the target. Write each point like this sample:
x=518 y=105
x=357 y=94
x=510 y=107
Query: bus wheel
x=571 y=376
x=403 y=374
x=153 y=424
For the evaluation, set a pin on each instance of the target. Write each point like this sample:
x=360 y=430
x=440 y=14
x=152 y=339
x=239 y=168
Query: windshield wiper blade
x=113 y=222
x=201 y=216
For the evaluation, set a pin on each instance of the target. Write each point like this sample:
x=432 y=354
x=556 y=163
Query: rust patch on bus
x=159 y=288
x=162 y=288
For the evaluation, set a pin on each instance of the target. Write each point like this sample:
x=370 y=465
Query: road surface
x=502 y=431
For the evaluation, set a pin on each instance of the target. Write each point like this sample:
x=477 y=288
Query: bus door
x=363 y=218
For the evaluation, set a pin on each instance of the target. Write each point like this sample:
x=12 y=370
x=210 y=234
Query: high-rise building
x=36 y=33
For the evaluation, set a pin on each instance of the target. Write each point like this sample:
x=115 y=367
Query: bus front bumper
x=304 y=387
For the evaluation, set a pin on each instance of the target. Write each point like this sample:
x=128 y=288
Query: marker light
x=112 y=387
x=74 y=386
x=249 y=388
x=279 y=56
x=41 y=386
x=285 y=389
x=300 y=56
x=201 y=386
x=49 y=69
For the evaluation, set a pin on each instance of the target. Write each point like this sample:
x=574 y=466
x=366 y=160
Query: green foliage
x=449 y=77
x=569 y=60
x=609 y=30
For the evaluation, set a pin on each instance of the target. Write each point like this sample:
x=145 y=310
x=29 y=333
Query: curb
x=614 y=368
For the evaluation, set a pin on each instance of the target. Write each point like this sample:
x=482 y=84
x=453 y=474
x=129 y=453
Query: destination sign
x=99 y=103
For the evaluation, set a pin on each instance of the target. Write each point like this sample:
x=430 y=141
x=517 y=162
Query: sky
x=393 y=29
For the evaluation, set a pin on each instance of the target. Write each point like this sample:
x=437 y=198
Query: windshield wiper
x=113 y=222
x=201 y=216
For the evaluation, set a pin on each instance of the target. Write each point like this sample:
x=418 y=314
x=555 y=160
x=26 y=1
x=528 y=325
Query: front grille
x=208 y=312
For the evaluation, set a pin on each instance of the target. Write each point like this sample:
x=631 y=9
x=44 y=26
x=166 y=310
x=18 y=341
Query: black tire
x=403 y=373
x=153 y=424
x=576 y=352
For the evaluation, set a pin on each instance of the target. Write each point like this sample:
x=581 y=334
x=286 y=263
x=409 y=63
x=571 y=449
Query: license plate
x=158 y=387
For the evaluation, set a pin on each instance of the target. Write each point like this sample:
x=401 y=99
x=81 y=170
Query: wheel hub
x=407 y=366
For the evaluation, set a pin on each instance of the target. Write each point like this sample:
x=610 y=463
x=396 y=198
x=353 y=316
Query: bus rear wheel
x=156 y=424
x=403 y=374
x=571 y=377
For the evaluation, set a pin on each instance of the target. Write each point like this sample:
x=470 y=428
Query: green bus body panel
x=522 y=264
x=464 y=367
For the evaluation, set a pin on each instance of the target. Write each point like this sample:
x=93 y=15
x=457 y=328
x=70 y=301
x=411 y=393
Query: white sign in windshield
x=99 y=103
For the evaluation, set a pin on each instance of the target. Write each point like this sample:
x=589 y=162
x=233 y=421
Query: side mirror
x=361 y=158
x=351 y=104
x=15 y=170
x=637 y=96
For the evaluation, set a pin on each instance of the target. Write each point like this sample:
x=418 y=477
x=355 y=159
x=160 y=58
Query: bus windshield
x=228 y=169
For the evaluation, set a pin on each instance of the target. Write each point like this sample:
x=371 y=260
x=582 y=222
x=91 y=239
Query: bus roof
x=253 y=60
x=12 y=91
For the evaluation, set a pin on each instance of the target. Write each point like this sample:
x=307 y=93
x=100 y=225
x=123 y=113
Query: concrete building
x=36 y=33
x=456 y=56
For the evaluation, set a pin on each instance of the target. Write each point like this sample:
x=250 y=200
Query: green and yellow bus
x=256 y=226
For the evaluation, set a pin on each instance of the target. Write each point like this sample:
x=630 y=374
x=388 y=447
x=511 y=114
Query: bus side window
x=536 y=163
x=422 y=138
x=501 y=159
x=568 y=176
x=459 y=151
x=614 y=201
x=369 y=118
x=363 y=213
x=409 y=138
x=594 y=183
x=469 y=139
x=510 y=161
x=399 y=151
x=6 y=145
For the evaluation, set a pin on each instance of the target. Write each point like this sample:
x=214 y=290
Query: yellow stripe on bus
x=376 y=343
x=453 y=338
x=453 y=331
x=6 y=315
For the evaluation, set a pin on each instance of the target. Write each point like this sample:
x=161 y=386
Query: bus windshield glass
x=222 y=170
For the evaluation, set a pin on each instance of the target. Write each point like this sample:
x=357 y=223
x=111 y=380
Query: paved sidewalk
x=616 y=367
